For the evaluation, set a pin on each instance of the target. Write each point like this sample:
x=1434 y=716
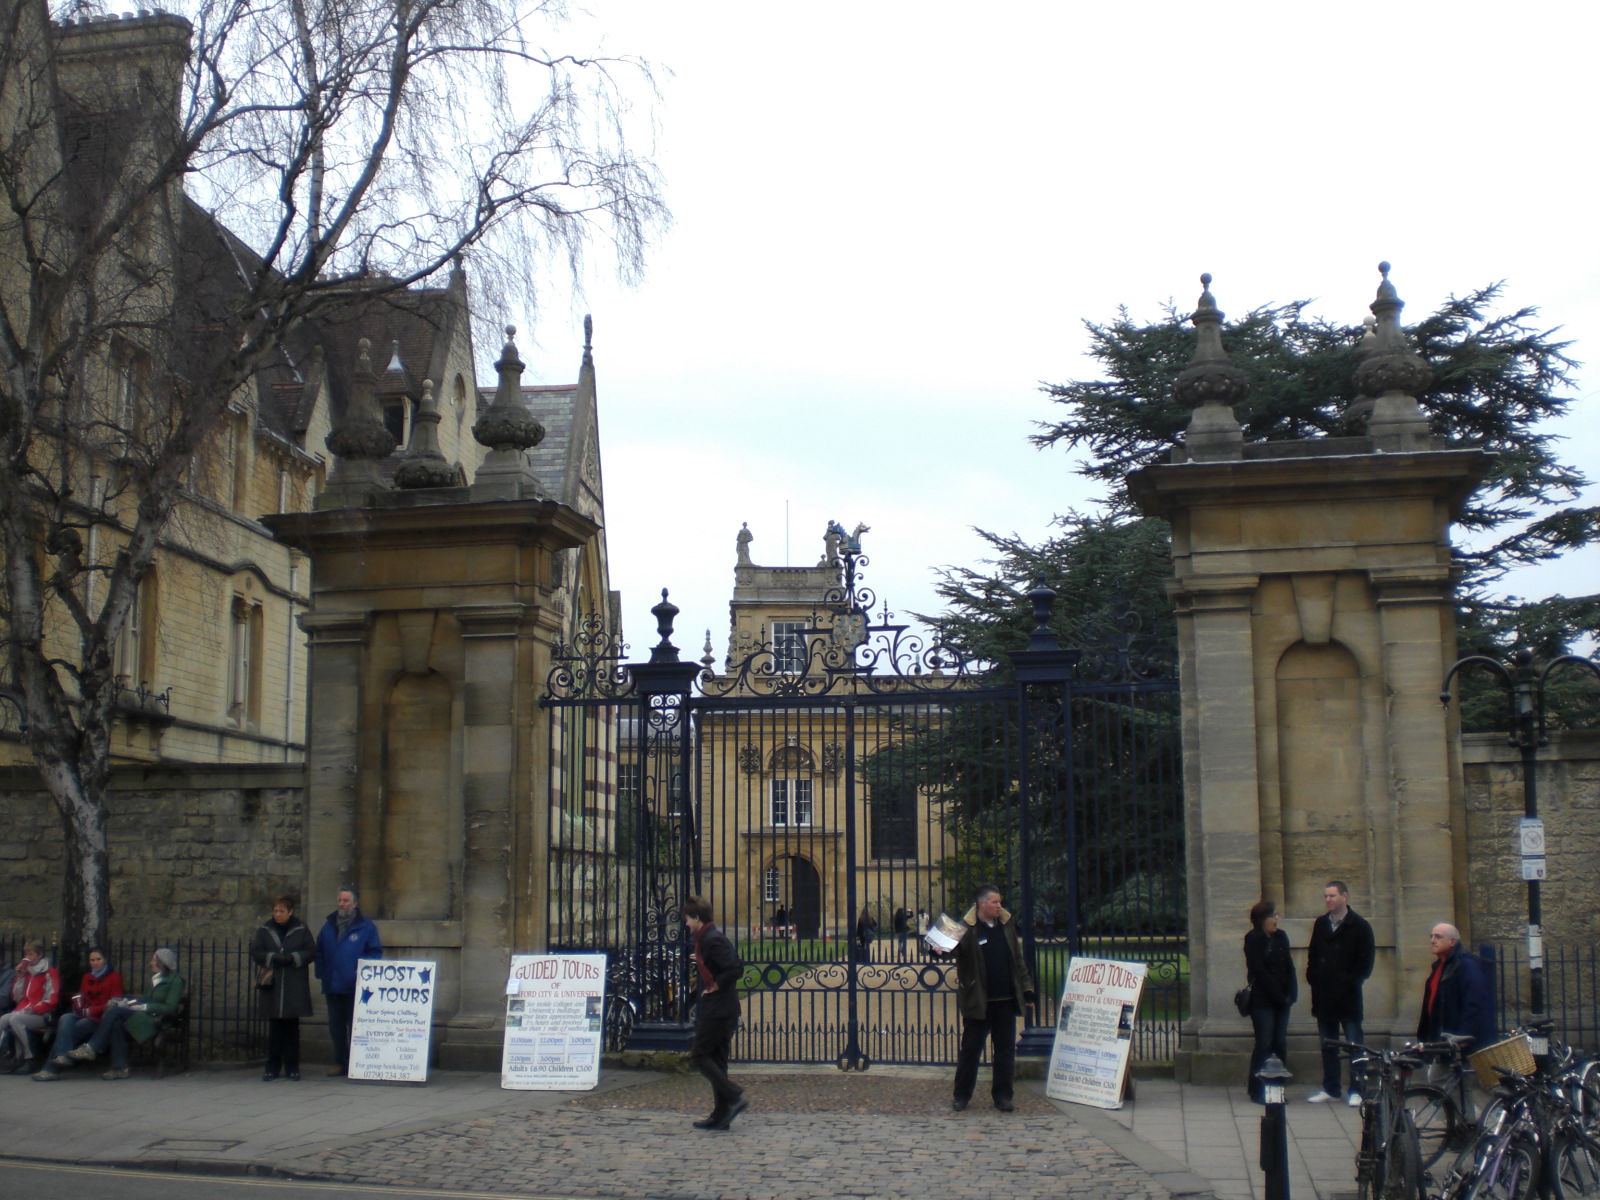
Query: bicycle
x=1533 y=1143
x=1442 y=1107
x=1389 y=1162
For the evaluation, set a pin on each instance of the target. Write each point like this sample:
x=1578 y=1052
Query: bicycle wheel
x=1402 y=1165
x=1575 y=1166
x=1584 y=1097
x=1441 y=1129
x=1510 y=1171
x=618 y=1023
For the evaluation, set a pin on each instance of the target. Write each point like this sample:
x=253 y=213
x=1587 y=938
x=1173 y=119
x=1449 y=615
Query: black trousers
x=709 y=1055
x=341 y=1012
x=1000 y=1031
x=283 y=1044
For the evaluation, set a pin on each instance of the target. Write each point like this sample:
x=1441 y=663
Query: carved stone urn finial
x=360 y=439
x=509 y=430
x=1393 y=373
x=425 y=465
x=1211 y=385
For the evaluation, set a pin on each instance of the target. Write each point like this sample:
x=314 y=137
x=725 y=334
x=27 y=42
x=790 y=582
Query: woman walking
x=282 y=950
x=1269 y=970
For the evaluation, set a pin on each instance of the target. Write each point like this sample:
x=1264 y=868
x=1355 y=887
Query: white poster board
x=554 y=1007
x=393 y=1023
x=1094 y=1031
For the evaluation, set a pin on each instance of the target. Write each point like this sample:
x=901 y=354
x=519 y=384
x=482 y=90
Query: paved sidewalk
x=819 y=1133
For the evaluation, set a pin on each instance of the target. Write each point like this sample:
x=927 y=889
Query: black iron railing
x=223 y=1025
x=1571 y=988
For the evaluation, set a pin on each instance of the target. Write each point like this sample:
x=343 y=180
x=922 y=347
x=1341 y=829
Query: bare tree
x=323 y=152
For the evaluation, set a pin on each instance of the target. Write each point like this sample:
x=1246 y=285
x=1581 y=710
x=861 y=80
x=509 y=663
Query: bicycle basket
x=1514 y=1053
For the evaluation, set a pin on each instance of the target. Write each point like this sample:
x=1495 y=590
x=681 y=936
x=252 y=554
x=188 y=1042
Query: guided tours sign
x=1094 y=1031
x=393 y=1019
x=554 y=1005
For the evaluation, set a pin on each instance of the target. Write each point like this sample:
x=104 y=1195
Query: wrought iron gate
x=831 y=794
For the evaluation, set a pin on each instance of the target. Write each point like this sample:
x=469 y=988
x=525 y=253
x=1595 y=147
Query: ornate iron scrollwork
x=592 y=667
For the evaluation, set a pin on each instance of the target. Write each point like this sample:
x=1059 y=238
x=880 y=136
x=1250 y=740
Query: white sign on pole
x=393 y=1024
x=554 y=1007
x=1094 y=1031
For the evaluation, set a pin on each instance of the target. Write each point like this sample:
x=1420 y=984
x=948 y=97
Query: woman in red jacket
x=36 y=990
x=101 y=985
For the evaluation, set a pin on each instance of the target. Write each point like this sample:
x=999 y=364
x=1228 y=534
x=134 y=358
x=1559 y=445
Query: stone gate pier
x=1312 y=582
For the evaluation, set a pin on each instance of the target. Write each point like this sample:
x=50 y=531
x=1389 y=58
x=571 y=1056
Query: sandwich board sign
x=554 y=1008
x=1094 y=1031
x=392 y=1029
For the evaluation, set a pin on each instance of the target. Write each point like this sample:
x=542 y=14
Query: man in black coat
x=1338 y=963
x=717 y=970
x=993 y=988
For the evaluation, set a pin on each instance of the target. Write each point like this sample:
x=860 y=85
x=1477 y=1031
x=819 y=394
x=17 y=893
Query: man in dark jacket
x=345 y=939
x=1459 y=995
x=1338 y=963
x=993 y=987
x=717 y=970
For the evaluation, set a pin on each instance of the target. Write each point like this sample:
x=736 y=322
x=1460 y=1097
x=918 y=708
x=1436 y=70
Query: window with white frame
x=789 y=647
x=244 y=662
x=791 y=801
x=130 y=643
x=772 y=889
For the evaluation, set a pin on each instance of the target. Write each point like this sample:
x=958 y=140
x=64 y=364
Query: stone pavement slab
x=809 y=1133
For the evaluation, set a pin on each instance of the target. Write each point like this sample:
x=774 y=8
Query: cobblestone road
x=804 y=1137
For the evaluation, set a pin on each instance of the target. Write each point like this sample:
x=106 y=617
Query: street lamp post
x=1526 y=685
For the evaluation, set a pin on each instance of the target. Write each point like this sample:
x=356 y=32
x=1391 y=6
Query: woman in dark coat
x=285 y=947
x=1269 y=970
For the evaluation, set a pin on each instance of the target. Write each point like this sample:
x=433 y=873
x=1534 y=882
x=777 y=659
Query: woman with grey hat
x=137 y=1019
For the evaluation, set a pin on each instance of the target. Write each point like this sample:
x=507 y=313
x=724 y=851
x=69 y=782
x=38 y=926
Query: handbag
x=1241 y=1000
x=264 y=977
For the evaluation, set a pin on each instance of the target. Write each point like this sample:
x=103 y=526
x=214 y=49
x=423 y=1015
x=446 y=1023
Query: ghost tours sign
x=393 y=1026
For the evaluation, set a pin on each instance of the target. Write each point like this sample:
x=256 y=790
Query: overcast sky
x=891 y=220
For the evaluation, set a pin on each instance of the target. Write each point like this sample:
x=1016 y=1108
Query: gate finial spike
x=664 y=613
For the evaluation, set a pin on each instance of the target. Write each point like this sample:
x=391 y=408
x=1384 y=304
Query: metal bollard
x=1274 y=1128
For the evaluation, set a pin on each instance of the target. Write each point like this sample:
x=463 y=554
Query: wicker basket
x=1514 y=1053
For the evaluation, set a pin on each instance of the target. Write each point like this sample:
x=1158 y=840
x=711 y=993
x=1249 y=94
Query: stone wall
x=1568 y=789
x=195 y=852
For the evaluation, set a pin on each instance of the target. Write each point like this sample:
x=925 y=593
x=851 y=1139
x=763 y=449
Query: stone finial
x=508 y=429
x=1393 y=374
x=360 y=438
x=425 y=465
x=1359 y=411
x=708 y=659
x=1211 y=385
x=507 y=425
x=588 y=335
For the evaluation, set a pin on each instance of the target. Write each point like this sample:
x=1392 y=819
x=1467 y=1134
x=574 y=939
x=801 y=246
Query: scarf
x=700 y=961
